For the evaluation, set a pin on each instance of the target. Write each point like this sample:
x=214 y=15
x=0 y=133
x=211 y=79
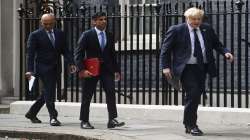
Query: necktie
x=102 y=40
x=52 y=38
x=197 y=48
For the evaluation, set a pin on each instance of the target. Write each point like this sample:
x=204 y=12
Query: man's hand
x=167 y=73
x=117 y=76
x=28 y=75
x=229 y=57
x=72 y=69
x=85 y=74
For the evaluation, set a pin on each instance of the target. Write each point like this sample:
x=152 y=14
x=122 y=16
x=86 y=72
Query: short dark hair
x=98 y=14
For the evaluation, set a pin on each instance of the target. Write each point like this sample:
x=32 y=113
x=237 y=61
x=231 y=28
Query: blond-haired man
x=187 y=56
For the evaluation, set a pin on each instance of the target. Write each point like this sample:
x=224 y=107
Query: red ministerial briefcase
x=92 y=65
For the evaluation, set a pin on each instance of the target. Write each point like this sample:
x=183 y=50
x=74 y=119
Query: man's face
x=48 y=22
x=100 y=22
x=194 y=22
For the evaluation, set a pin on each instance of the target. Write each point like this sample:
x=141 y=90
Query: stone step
x=220 y=115
x=8 y=100
x=4 y=109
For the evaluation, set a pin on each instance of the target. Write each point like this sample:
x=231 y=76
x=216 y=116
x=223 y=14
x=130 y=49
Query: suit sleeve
x=166 y=48
x=217 y=45
x=65 y=51
x=79 y=52
x=31 y=51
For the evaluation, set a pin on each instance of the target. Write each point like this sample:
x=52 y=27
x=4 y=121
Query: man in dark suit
x=98 y=43
x=186 y=56
x=45 y=47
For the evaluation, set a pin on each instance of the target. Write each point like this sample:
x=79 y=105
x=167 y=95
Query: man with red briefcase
x=96 y=60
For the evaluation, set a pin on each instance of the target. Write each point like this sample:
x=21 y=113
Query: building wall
x=9 y=48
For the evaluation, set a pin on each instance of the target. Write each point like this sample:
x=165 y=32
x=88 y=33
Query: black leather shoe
x=188 y=130
x=33 y=119
x=114 y=123
x=195 y=131
x=55 y=122
x=86 y=125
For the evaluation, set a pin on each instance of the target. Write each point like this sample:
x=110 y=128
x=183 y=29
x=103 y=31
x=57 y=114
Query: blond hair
x=194 y=12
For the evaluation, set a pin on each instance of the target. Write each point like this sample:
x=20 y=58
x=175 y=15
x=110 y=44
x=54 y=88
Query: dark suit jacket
x=176 y=48
x=43 y=57
x=89 y=47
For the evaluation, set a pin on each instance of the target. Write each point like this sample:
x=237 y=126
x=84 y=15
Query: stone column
x=16 y=46
x=6 y=48
x=0 y=51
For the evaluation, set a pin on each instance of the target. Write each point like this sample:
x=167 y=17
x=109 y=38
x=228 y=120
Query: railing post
x=247 y=54
x=176 y=9
x=225 y=67
x=83 y=11
x=232 y=38
x=82 y=7
x=158 y=9
x=131 y=63
x=239 y=5
x=137 y=53
x=144 y=55
x=218 y=65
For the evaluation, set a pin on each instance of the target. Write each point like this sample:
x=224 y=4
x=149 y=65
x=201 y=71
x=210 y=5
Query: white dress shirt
x=193 y=59
x=100 y=37
x=53 y=34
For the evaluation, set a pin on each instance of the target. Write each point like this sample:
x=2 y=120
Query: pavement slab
x=143 y=129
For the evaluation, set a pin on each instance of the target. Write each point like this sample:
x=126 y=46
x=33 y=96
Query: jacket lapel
x=95 y=37
x=204 y=35
x=56 y=37
x=187 y=36
x=44 y=33
x=107 y=39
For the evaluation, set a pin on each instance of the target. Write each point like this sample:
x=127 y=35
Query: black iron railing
x=138 y=31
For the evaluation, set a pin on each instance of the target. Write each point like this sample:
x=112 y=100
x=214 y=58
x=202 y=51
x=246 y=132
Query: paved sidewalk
x=144 y=129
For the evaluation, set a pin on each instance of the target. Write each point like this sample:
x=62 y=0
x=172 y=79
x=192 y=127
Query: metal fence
x=138 y=31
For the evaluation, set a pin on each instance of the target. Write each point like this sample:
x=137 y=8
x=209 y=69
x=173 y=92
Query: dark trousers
x=193 y=82
x=89 y=87
x=48 y=95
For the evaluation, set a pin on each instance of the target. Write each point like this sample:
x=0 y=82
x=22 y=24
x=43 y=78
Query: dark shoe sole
x=193 y=134
x=32 y=119
x=55 y=124
x=119 y=125
x=28 y=116
x=196 y=134
x=188 y=131
x=87 y=127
